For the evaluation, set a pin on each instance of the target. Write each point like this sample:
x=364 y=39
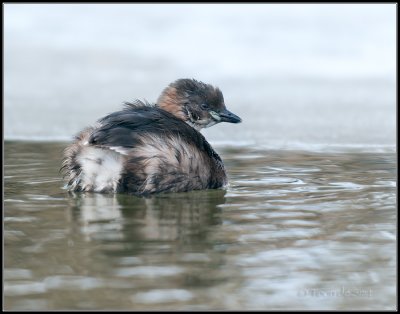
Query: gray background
x=304 y=76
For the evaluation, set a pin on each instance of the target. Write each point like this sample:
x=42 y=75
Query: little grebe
x=145 y=149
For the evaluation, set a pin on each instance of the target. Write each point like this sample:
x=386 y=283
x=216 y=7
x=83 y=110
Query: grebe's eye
x=204 y=106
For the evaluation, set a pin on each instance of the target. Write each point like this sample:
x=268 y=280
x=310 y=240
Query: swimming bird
x=151 y=148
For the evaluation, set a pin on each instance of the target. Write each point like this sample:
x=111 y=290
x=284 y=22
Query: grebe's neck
x=172 y=102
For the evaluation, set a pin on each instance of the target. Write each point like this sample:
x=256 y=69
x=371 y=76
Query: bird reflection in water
x=182 y=217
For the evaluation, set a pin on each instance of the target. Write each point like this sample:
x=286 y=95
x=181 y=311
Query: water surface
x=293 y=230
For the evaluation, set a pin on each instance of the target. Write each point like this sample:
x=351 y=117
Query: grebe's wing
x=123 y=130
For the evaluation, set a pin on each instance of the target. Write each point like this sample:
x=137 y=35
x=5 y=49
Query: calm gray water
x=294 y=230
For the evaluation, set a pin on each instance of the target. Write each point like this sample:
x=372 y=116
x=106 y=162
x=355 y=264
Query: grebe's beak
x=227 y=116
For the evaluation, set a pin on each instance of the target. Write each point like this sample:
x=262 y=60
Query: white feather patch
x=120 y=149
x=101 y=169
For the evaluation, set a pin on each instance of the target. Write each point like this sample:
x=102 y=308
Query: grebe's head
x=200 y=105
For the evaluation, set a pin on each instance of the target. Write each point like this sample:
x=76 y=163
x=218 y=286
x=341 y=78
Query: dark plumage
x=146 y=149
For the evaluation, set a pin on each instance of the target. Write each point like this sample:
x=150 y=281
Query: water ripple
x=163 y=296
x=148 y=271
